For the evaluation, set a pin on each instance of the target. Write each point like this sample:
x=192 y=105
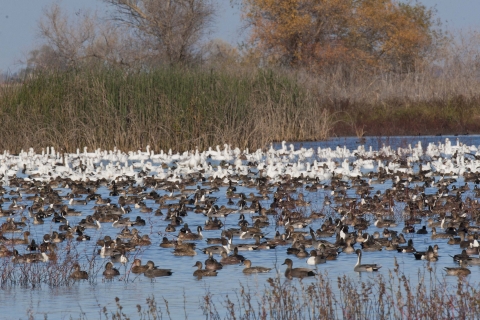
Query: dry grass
x=393 y=297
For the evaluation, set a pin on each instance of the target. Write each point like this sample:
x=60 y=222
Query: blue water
x=185 y=293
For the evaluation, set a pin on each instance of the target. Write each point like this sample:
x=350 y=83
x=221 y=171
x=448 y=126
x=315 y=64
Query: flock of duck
x=310 y=204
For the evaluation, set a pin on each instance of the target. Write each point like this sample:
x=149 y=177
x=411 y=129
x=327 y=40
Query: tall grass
x=166 y=108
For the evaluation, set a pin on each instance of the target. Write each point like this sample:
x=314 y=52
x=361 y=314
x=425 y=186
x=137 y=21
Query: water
x=185 y=293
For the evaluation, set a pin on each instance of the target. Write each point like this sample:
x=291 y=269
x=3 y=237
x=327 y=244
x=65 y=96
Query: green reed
x=165 y=108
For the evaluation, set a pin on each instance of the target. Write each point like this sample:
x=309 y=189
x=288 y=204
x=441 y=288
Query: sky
x=19 y=20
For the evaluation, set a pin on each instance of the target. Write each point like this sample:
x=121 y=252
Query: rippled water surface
x=183 y=292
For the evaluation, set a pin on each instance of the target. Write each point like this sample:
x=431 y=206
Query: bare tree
x=169 y=30
x=71 y=41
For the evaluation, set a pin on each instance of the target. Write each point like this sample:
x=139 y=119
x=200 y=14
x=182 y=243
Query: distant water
x=183 y=292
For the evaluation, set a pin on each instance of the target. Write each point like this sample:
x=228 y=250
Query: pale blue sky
x=19 y=18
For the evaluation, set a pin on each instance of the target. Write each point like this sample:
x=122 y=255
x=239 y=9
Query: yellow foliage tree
x=363 y=33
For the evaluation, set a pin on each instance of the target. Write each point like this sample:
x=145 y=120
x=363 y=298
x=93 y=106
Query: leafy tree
x=318 y=34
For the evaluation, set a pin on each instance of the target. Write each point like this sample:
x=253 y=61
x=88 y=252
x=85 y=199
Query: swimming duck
x=199 y=273
x=408 y=248
x=364 y=267
x=118 y=256
x=137 y=266
x=211 y=263
x=153 y=271
x=184 y=249
x=249 y=269
x=315 y=258
x=167 y=243
x=77 y=273
x=232 y=259
x=461 y=271
x=297 y=272
x=110 y=271
x=190 y=235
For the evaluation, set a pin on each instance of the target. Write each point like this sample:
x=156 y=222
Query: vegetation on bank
x=184 y=108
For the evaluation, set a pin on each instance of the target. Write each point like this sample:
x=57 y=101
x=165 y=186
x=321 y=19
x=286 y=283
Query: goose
x=364 y=267
x=297 y=272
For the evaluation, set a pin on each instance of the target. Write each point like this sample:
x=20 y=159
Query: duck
x=119 y=257
x=29 y=257
x=428 y=255
x=461 y=271
x=381 y=223
x=249 y=269
x=152 y=271
x=167 y=243
x=423 y=230
x=359 y=267
x=296 y=272
x=184 y=249
x=315 y=258
x=302 y=253
x=232 y=259
x=15 y=241
x=137 y=266
x=190 y=235
x=77 y=273
x=211 y=263
x=199 y=273
x=436 y=235
x=110 y=271
x=408 y=248
x=263 y=245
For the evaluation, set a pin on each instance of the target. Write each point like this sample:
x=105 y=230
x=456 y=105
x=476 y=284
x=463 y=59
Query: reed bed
x=53 y=273
x=166 y=108
x=391 y=297
x=250 y=107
